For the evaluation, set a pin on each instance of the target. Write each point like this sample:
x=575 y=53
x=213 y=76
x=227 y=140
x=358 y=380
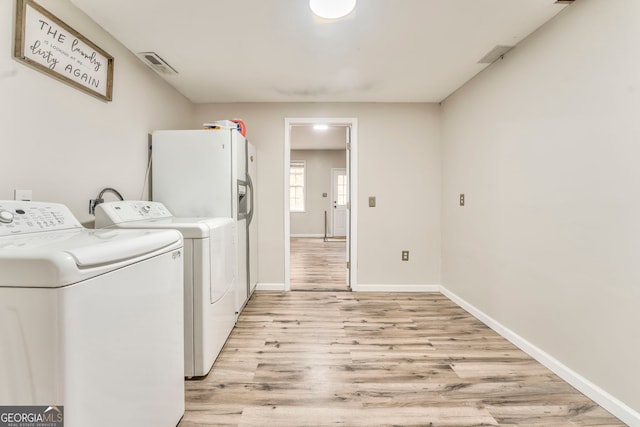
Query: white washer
x=90 y=320
x=209 y=274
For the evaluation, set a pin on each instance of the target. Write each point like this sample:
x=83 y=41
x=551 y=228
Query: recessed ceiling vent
x=154 y=61
x=495 y=54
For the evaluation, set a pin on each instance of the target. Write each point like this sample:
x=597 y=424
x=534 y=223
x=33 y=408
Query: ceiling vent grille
x=154 y=61
x=495 y=54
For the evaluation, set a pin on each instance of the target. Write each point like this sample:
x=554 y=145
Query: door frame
x=352 y=172
x=333 y=197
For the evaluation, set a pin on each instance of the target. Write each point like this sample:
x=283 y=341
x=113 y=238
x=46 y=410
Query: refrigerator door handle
x=251 y=200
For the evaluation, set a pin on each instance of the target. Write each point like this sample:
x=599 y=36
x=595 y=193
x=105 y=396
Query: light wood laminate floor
x=376 y=359
x=318 y=265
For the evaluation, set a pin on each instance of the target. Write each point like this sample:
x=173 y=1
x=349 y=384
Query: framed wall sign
x=47 y=44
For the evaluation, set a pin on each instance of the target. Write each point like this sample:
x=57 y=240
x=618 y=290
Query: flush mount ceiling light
x=321 y=127
x=332 y=9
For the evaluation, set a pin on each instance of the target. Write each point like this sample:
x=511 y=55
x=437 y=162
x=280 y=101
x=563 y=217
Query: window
x=342 y=188
x=296 y=185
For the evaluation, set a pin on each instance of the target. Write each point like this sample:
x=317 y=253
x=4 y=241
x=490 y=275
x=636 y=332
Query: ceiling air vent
x=495 y=54
x=154 y=61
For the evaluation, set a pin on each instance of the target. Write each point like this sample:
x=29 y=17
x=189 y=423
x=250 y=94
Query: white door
x=340 y=196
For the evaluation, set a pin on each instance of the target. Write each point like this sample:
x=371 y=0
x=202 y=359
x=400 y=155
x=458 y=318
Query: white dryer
x=209 y=274
x=90 y=320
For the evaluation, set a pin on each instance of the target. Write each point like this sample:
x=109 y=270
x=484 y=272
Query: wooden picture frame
x=44 y=42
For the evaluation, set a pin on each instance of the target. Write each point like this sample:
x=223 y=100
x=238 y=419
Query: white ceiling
x=277 y=51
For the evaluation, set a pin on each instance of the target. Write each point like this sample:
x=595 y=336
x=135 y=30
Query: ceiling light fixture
x=332 y=9
x=320 y=127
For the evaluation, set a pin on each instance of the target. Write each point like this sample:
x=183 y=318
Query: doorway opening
x=320 y=209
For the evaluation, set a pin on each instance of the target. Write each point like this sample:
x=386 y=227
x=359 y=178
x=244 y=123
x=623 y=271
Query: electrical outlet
x=23 y=195
x=461 y=199
x=372 y=201
x=405 y=255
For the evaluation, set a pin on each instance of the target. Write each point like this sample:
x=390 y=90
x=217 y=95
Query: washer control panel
x=128 y=210
x=18 y=217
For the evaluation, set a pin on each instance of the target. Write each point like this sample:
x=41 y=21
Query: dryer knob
x=6 y=217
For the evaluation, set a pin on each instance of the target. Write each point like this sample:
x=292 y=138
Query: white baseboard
x=307 y=235
x=396 y=288
x=270 y=287
x=589 y=389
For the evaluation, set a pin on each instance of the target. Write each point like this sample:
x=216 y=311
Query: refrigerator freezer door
x=240 y=152
x=242 y=291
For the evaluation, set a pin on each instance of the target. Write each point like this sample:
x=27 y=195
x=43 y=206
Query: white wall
x=545 y=145
x=318 y=181
x=66 y=145
x=399 y=163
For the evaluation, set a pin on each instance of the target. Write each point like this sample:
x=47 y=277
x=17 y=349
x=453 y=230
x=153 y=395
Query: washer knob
x=6 y=217
x=146 y=208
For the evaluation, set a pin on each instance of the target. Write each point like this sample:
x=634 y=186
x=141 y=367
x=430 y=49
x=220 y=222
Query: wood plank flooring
x=376 y=359
x=317 y=265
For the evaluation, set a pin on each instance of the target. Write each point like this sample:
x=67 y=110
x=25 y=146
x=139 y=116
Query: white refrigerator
x=210 y=173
